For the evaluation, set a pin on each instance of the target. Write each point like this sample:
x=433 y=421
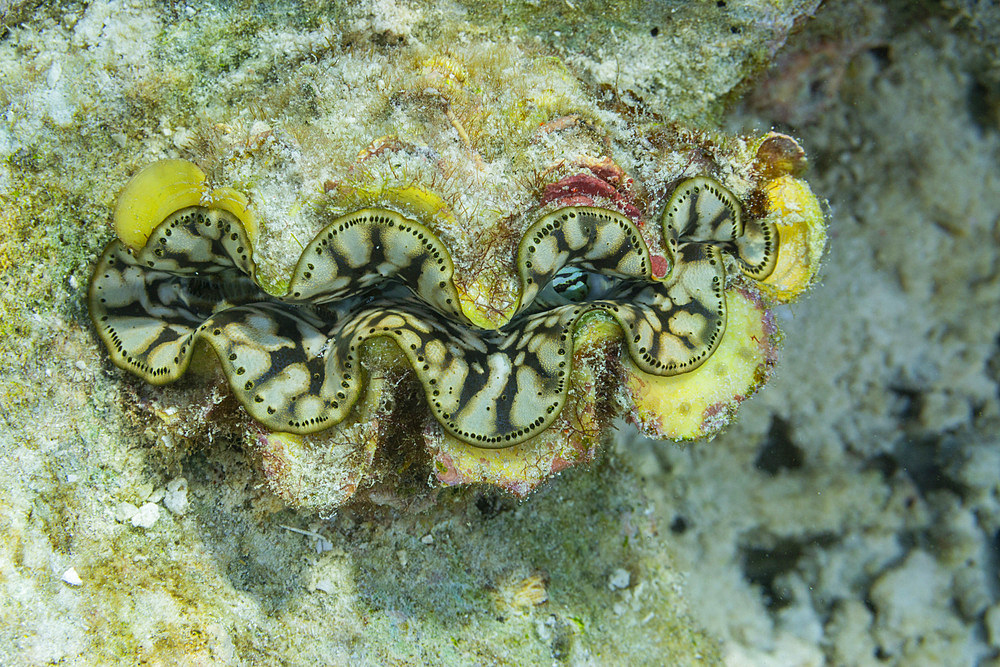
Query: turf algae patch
x=488 y=599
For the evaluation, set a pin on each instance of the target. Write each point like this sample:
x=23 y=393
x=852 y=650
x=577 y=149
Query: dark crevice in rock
x=882 y=55
x=910 y=402
x=924 y=460
x=982 y=106
x=778 y=451
x=884 y=463
x=491 y=503
x=763 y=563
x=761 y=566
x=993 y=364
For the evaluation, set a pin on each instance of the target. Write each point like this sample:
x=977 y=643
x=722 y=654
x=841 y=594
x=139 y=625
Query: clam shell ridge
x=293 y=360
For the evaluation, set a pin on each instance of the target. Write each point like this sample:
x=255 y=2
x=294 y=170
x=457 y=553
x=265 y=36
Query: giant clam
x=592 y=305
